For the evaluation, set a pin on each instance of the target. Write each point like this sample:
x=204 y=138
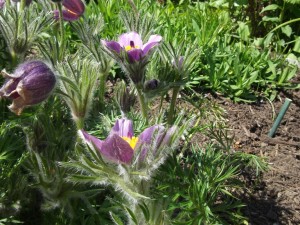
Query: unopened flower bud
x=30 y=84
x=151 y=84
x=125 y=97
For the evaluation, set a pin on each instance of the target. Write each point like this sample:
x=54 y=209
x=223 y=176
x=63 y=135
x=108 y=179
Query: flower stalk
x=101 y=91
x=62 y=32
x=143 y=103
x=172 y=105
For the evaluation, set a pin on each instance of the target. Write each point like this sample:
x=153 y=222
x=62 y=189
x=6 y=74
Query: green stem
x=172 y=106
x=22 y=5
x=14 y=58
x=62 y=32
x=143 y=104
x=7 y=3
x=283 y=24
x=282 y=12
x=79 y=121
x=102 y=83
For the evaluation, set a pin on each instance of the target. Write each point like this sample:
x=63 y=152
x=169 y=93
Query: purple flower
x=132 y=44
x=2 y=3
x=31 y=83
x=73 y=10
x=120 y=145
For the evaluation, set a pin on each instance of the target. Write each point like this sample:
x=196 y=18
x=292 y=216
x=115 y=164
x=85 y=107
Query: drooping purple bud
x=73 y=10
x=30 y=84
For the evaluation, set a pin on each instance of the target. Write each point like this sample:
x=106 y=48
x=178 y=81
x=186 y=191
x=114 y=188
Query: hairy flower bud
x=151 y=85
x=125 y=97
x=31 y=83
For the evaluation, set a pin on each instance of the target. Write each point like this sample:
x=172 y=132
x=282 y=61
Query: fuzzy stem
x=79 y=121
x=102 y=83
x=7 y=3
x=62 y=32
x=22 y=5
x=14 y=58
x=172 y=106
x=143 y=104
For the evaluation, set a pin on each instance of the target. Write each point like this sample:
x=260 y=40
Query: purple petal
x=36 y=86
x=153 y=41
x=123 y=128
x=67 y=15
x=8 y=89
x=127 y=38
x=90 y=138
x=112 y=45
x=150 y=135
x=75 y=7
x=168 y=136
x=2 y=3
x=117 y=150
x=135 y=55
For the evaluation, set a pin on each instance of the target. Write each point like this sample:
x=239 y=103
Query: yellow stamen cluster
x=128 y=48
x=131 y=141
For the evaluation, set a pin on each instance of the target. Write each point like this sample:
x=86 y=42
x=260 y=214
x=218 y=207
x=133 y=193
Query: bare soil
x=276 y=198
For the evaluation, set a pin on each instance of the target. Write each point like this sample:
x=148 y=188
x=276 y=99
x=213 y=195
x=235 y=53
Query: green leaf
x=145 y=210
x=268 y=39
x=287 y=30
x=271 y=19
x=132 y=215
x=293 y=1
x=116 y=219
x=271 y=8
x=297 y=45
x=196 y=27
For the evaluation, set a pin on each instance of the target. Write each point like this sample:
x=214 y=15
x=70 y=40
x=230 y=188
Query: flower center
x=131 y=141
x=131 y=46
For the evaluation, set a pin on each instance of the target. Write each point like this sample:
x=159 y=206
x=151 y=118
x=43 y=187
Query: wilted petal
x=123 y=128
x=135 y=55
x=31 y=83
x=153 y=41
x=8 y=89
x=112 y=45
x=75 y=7
x=130 y=38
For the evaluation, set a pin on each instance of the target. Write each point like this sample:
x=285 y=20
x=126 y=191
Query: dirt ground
x=276 y=199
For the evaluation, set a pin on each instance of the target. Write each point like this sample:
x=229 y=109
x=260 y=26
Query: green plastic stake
x=282 y=111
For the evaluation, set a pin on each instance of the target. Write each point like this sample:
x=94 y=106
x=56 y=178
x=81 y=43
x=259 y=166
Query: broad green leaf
x=287 y=30
x=271 y=8
x=268 y=39
x=297 y=45
x=293 y=1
